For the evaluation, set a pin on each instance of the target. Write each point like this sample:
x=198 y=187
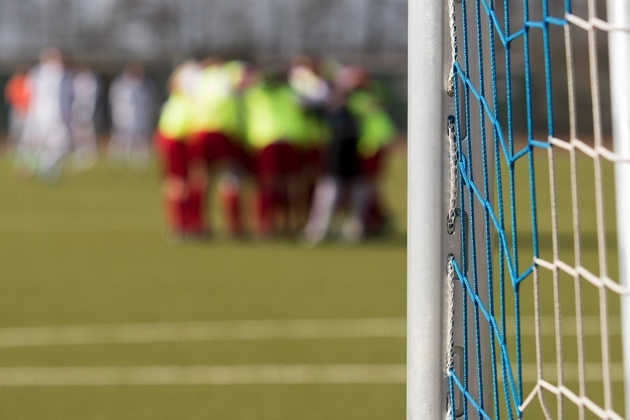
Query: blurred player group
x=52 y=116
x=312 y=137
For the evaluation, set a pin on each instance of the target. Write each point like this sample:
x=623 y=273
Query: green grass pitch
x=91 y=251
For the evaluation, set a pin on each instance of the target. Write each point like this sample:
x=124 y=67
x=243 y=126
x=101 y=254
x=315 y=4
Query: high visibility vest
x=273 y=114
x=216 y=107
x=316 y=130
x=291 y=115
x=376 y=128
x=176 y=117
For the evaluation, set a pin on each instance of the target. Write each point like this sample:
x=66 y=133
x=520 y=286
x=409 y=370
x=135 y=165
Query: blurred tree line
x=108 y=33
x=105 y=34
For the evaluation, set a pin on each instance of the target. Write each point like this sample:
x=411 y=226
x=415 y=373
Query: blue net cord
x=479 y=99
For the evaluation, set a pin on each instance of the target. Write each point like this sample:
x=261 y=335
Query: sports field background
x=103 y=318
x=91 y=251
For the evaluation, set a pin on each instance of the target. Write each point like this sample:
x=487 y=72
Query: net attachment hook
x=458 y=366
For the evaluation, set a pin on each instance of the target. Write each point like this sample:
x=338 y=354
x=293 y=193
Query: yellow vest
x=376 y=128
x=216 y=107
x=176 y=117
x=273 y=114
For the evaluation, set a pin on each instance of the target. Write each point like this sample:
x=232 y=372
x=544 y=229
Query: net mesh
x=534 y=297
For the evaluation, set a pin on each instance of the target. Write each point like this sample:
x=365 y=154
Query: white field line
x=594 y=372
x=250 y=330
x=251 y=375
x=92 y=221
x=202 y=375
x=203 y=331
x=591 y=325
x=101 y=228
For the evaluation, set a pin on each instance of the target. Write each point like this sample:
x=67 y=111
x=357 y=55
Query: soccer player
x=46 y=137
x=274 y=128
x=361 y=130
x=85 y=89
x=341 y=174
x=376 y=134
x=172 y=140
x=313 y=92
x=216 y=148
x=17 y=94
x=131 y=100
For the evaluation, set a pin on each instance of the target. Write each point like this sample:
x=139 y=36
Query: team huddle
x=313 y=140
x=312 y=137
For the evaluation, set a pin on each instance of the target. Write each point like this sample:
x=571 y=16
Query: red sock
x=264 y=213
x=195 y=211
x=230 y=197
x=176 y=215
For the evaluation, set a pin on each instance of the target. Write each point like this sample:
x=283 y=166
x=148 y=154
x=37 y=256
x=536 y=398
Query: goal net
x=521 y=157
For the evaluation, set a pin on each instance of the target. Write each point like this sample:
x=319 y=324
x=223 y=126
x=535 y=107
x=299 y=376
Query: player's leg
x=310 y=173
x=377 y=217
x=139 y=154
x=55 y=145
x=223 y=160
x=361 y=196
x=174 y=156
x=293 y=188
x=268 y=185
x=84 y=154
x=26 y=152
x=198 y=149
x=325 y=199
x=229 y=185
x=116 y=148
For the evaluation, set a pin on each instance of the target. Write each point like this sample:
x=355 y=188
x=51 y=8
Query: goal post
x=445 y=321
x=619 y=53
x=425 y=393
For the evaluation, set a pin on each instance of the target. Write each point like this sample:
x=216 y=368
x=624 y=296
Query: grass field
x=169 y=331
x=103 y=318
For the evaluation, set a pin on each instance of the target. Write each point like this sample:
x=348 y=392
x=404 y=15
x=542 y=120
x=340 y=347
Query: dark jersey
x=341 y=157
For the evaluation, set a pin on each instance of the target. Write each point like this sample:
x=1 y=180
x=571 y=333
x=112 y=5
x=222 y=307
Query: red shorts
x=312 y=158
x=215 y=148
x=174 y=156
x=279 y=158
x=372 y=166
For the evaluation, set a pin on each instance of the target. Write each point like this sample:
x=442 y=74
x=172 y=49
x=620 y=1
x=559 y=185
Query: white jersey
x=51 y=100
x=131 y=101
x=85 y=88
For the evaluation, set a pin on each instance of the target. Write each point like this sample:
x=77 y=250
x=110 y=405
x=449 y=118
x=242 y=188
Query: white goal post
x=619 y=53
x=425 y=348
